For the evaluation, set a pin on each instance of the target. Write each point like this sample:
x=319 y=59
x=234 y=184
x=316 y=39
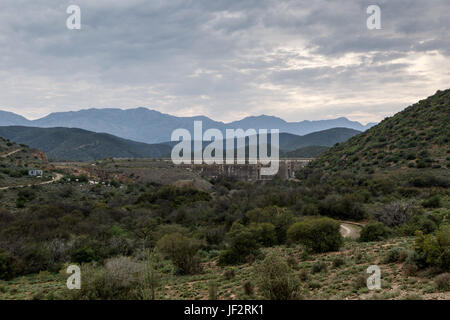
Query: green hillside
x=305 y=152
x=413 y=139
x=16 y=160
x=81 y=145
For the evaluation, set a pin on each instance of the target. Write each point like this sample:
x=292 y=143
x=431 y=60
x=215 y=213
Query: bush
x=229 y=274
x=374 y=231
x=6 y=265
x=360 y=281
x=182 y=251
x=434 y=249
x=443 y=282
x=118 y=280
x=276 y=280
x=345 y=207
x=264 y=233
x=319 y=235
x=338 y=262
x=396 y=255
x=242 y=243
x=319 y=266
x=395 y=213
x=248 y=287
x=432 y=202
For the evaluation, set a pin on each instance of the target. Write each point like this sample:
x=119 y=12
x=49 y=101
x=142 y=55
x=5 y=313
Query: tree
x=276 y=280
x=317 y=234
x=182 y=251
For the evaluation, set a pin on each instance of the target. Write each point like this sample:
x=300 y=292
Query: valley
x=145 y=228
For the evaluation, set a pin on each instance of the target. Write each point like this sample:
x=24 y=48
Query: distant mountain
x=151 y=126
x=415 y=138
x=9 y=118
x=77 y=144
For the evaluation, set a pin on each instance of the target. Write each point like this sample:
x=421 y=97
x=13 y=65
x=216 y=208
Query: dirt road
x=349 y=230
x=55 y=179
x=10 y=154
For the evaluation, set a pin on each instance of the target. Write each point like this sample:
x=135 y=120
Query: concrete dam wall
x=248 y=172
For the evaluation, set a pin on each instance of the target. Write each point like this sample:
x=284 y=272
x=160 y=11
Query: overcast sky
x=225 y=59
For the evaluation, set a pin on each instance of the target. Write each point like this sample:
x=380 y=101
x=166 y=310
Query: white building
x=35 y=173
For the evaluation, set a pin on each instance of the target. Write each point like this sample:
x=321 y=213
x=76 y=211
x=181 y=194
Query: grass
x=334 y=283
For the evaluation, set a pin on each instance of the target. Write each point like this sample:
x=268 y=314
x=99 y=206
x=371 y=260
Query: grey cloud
x=226 y=58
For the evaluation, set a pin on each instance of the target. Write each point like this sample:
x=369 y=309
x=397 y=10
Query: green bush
x=317 y=234
x=6 y=265
x=432 y=202
x=345 y=207
x=182 y=251
x=319 y=266
x=241 y=243
x=276 y=280
x=443 y=281
x=396 y=255
x=374 y=231
x=434 y=249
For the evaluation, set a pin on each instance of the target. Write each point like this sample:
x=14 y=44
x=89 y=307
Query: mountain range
x=73 y=144
x=150 y=126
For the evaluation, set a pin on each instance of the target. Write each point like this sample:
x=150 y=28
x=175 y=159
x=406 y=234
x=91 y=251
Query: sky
x=225 y=59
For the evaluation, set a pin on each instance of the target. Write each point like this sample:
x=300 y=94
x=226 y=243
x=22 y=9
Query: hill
x=16 y=160
x=305 y=152
x=327 y=138
x=77 y=144
x=415 y=138
x=150 y=126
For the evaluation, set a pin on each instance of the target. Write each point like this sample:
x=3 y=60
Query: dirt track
x=55 y=179
x=350 y=230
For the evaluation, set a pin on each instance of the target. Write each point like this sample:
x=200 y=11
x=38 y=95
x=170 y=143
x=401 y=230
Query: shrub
x=360 y=281
x=248 y=287
x=303 y=275
x=434 y=249
x=118 y=280
x=443 y=282
x=276 y=280
x=319 y=235
x=396 y=255
x=319 y=266
x=182 y=251
x=374 y=231
x=395 y=213
x=6 y=265
x=241 y=244
x=229 y=274
x=338 y=262
x=292 y=262
x=345 y=207
x=264 y=233
x=432 y=202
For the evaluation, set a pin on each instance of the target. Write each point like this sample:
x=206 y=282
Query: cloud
x=225 y=59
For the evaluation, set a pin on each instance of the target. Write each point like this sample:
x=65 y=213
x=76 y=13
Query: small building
x=35 y=173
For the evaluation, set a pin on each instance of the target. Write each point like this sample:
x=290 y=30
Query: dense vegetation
x=417 y=137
